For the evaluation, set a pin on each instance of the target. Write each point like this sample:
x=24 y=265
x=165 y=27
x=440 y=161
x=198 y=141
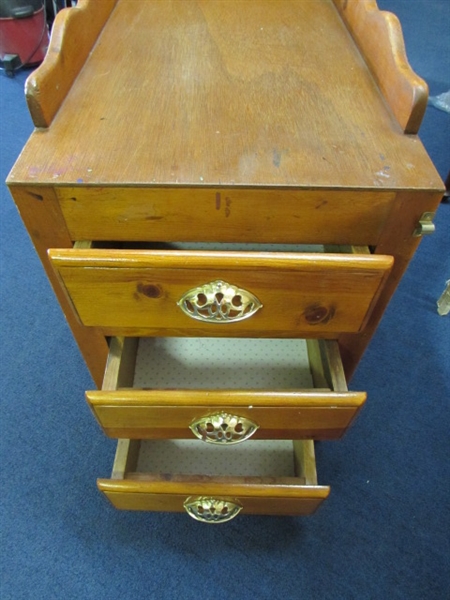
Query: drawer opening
x=198 y=363
x=223 y=246
x=207 y=363
x=188 y=388
x=289 y=489
x=262 y=460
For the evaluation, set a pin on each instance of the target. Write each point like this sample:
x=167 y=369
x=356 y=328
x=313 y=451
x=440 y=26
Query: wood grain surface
x=380 y=39
x=225 y=214
x=302 y=295
x=74 y=34
x=39 y=210
x=159 y=414
x=269 y=104
x=226 y=93
x=130 y=490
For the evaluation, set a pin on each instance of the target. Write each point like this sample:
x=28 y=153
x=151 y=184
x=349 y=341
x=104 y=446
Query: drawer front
x=224 y=416
x=284 y=498
x=228 y=214
x=142 y=481
x=148 y=292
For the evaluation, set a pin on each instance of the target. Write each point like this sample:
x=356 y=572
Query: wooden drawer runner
x=224 y=391
x=279 y=479
x=220 y=293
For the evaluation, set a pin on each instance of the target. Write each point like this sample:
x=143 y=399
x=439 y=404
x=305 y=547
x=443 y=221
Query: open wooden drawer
x=224 y=391
x=216 y=292
x=201 y=451
x=278 y=478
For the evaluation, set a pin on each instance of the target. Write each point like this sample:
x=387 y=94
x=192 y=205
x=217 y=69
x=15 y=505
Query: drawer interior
x=268 y=459
x=261 y=458
x=282 y=480
x=224 y=391
x=221 y=247
x=229 y=363
x=270 y=476
x=222 y=363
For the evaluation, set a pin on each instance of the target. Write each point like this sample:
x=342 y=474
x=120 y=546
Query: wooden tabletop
x=232 y=92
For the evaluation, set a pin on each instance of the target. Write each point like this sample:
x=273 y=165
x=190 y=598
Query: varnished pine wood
x=332 y=362
x=280 y=414
x=119 y=371
x=126 y=290
x=305 y=461
x=126 y=458
x=225 y=214
x=316 y=364
x=332 y=143
x=398 y=240
x=326 y=365
x=380 y=39
x=224 y=93
x=74 y=34
x=40 y=213
x=198 y=485
x=159 y=414
x=140 y=496
x=258 y=495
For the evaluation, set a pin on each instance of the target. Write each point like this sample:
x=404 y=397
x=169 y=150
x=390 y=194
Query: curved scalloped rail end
x=74 y=34
x=379 y=37
x=377 y=33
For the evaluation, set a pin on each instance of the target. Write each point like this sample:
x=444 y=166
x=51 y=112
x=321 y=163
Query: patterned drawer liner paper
x=209 y=363
x=220 y=363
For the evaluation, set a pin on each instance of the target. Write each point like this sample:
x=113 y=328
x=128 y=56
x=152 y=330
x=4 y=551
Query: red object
x=27 y=37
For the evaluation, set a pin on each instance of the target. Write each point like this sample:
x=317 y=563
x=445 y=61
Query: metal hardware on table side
x=425 y=225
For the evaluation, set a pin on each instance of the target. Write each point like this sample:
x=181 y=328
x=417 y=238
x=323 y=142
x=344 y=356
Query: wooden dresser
x=225 y=195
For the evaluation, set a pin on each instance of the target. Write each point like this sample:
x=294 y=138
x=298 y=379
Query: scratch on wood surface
x=36 y=196
x=228 y=207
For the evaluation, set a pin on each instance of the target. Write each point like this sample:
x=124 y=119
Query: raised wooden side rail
x=379 y=37
x=377 y=33
x=74 y=34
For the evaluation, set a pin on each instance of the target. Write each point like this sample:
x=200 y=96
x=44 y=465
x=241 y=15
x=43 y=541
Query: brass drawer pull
x=211 y=510
x=219 y=302
x=222 y=428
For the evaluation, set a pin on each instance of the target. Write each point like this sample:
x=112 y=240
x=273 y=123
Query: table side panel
x=42 y=217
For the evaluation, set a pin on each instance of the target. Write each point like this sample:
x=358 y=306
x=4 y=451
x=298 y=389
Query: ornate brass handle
x=211 y=510
x=222 y=428
x=219 y=302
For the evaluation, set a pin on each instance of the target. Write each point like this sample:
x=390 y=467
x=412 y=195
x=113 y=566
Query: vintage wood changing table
x=224 y=195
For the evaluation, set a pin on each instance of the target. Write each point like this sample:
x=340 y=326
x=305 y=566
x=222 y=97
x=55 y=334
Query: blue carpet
x=383 y=533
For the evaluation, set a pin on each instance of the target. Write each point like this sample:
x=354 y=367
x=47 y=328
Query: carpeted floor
x=383 y=533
